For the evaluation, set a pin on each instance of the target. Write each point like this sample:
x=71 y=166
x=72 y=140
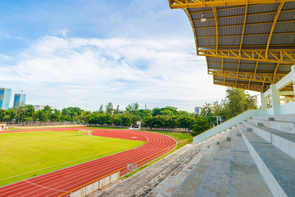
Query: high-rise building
x=19 y=100
x=5 y=94
x=198 y=109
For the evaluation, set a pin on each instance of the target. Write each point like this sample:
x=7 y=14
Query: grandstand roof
x=247 y=44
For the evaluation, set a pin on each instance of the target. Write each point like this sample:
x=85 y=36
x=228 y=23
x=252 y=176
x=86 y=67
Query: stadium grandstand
x=248 y=45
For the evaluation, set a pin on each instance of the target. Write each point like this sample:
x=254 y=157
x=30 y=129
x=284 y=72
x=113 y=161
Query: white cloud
x=88 y=72
x=60 y=32
x=4 y=57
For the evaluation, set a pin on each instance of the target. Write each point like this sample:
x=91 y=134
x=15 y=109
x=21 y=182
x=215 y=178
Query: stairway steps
x=190 y=184
x=282 y=140
x=168 y=186
x=245 y=179
x=276 y=167
x=282 y=117
x=215 y=180
x=279 y=125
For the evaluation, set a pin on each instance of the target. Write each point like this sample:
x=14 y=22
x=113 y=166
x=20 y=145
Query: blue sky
x=86 y=53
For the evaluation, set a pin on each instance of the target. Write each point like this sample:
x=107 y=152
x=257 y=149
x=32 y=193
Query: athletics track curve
x=59 y=182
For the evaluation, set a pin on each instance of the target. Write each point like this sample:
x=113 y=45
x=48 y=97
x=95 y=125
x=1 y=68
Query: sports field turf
x=27 y=154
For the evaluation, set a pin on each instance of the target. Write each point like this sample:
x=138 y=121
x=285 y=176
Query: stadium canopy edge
x=176 y=4
x=247 y=44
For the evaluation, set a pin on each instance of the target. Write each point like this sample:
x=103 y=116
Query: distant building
x=5 y=94
x=40 y=107
x=198 y=110
x=19 y=100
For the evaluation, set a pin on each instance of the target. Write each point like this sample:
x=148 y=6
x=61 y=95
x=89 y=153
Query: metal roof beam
x=256 y=68
x=275 y=45
x=270 y=64
x=275 y=73
x=252 y=55
x=246 y=35
x=245 y=18
x=176 y=4
x=259 y=72
x=257 y=88
x=273 y=27
x=262 y=23
x=216 y=26
x=241 y=15
x=259 y=77
x=238 y=69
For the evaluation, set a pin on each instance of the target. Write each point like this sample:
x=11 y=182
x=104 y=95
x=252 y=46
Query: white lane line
x=44 y=186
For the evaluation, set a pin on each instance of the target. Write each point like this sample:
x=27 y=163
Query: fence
x=147 y=128
x=102 y=182
x=38 y=123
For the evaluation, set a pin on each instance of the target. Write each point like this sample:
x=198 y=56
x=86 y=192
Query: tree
x=184 y=122
x=47 y=110
x=10 y=114
x=207 y=109
x=117 y=121
x=117 y=110
x=128 y=108
x=126 y=121
x=237 y=101
x=109 y=108
x=135 y=106
x=149 y=121
x=20 y=110
x=100 y=109
x=41 y=116
x=2 y=114
x=167 y=112
x=200 y=126
x=55 y=117
x=30 y=110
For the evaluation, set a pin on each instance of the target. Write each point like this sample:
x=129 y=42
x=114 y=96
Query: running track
x=61 y=181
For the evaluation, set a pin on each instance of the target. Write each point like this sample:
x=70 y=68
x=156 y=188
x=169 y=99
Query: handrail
x=227 y=124
x=148 y=159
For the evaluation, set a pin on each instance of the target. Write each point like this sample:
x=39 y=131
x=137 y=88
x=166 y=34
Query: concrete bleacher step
x=280 y=125
x=225 y=169
x=168 y=186
x=245 y=179
x=282 y=140
x=282 y=117
x=276 y=167
x=212 y=163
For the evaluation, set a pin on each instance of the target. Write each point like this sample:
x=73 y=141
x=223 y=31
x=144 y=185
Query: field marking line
x=70 y=142
x=44 y=186
x=64 y=163
x=134 y=155
x=162 y=142
x=78 y=175
x=87 y=167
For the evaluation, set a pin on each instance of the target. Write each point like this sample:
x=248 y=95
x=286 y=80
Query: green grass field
x=27 y=154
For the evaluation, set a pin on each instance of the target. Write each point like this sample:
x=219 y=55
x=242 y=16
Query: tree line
x=235 y=102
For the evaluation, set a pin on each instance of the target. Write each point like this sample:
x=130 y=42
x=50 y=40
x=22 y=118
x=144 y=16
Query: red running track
x=61 y=181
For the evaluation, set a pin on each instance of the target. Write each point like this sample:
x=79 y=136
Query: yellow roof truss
x=273 y=45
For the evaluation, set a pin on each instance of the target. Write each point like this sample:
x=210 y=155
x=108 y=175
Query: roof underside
x=248 y=46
